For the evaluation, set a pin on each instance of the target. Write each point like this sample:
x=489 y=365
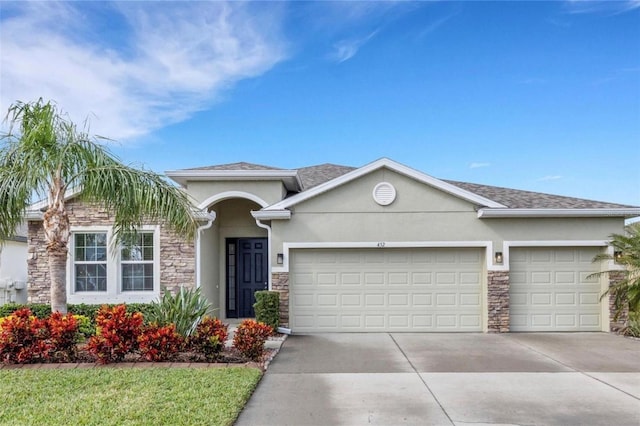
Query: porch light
x=617 y=256
x=280 y=259
x=498 y=257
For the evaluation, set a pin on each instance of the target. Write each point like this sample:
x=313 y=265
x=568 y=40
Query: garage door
x=550 y=290
x=355 y=290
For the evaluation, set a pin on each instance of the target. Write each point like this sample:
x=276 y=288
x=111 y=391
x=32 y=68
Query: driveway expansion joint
x=584 y=373
x=422 y=379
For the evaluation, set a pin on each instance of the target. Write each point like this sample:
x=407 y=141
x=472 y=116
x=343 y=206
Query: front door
x=247 y=271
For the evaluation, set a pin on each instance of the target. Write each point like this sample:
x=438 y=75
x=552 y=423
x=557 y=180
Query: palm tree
x=43 y=154
x=626 y=291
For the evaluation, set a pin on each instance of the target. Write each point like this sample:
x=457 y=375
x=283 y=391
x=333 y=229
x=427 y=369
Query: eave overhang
x=271 y=214
x=490 y=213
x=289 y=178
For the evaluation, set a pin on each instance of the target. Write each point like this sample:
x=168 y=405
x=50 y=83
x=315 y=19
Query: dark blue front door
x=246 y=273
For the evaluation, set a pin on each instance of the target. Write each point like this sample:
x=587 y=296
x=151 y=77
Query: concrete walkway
x=450 y=379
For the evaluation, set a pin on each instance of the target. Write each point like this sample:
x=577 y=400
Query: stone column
x=498 y=301
x=280 y=283
x=615 y=278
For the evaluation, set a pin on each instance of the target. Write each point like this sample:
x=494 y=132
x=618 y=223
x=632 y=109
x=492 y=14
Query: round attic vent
x=384 y=193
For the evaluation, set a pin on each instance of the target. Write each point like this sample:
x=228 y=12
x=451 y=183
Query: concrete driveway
x=450 y=379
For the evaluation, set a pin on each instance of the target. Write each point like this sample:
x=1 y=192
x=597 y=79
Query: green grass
x=125 y=396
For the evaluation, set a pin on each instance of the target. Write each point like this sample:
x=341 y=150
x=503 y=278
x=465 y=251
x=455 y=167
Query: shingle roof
x=236 y=166
x=315 y=175
x=519 y=199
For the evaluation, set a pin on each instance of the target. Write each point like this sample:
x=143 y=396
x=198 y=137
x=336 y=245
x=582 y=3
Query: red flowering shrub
x=23 y=338
x=209 y=338
x=116 y=334
x=250 y=337
x=62 y=336
x=158 y=343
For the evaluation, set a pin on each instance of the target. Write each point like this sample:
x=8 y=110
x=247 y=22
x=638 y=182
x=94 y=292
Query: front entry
x=247 y=271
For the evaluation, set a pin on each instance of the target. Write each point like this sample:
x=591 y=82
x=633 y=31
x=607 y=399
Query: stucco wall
x=269 y=191
x=176 y=264
x=419 y=213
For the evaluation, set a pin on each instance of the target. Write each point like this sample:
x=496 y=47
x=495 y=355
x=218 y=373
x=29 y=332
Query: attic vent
x=384 y=193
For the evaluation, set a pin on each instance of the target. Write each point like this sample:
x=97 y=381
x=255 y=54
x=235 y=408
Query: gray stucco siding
x=269 y=191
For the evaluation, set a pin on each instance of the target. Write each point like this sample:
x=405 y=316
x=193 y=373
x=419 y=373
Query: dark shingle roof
x=519 y=199
x=315 y=175
x=236 y=166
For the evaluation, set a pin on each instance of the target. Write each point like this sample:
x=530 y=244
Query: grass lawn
x=125 y=396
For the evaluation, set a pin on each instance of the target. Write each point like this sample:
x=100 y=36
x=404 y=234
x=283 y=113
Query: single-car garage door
x=355 y=290
x=550 y=291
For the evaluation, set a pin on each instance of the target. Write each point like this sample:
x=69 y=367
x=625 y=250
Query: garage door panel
x=391 y=289
x=325 y=279
x=421 y=278
x=549 y=289
x=445 y=278
x=398 y=278
x=350 y=279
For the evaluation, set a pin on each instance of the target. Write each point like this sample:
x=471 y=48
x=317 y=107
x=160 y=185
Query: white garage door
x=354 y=290
x=550 y=290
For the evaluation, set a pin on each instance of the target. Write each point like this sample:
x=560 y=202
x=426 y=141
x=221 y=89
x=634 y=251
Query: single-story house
x=382 y=247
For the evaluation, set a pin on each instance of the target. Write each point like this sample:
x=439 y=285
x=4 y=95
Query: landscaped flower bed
x=122 y=336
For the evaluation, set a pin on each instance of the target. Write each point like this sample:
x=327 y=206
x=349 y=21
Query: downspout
x=212 y=217
x=268 y=228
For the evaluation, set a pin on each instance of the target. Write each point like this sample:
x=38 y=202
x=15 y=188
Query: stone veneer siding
x=177 y=256
x=614 y=278
x=280 y=283
x=498 y=301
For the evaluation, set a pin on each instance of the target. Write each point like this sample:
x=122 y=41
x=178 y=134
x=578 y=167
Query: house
x=13 y=267
x=382 y=247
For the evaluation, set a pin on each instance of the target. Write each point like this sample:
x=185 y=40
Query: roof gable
x=394 y=166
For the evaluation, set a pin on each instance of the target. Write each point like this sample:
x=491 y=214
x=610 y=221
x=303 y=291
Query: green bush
x=186 y=309
x=39 y=310
x=633 y=324
x=85 y=310
x=267 y=308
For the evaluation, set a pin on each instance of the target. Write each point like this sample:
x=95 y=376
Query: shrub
x=159 y=343
x=23 y=338
x=250 y=337
x=62 y=333
x=86 y=327
x=186 y=309
x=209 y=338
x=117 y=332
x=633 y=325
x=39 y=310
x=267 y=308
x=89 y=311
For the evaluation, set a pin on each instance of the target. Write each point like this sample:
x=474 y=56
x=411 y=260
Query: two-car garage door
x=419 y=289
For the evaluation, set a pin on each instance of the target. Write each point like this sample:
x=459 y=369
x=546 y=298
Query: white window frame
x=114 y=293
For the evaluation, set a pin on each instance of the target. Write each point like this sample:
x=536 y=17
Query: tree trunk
x=58 y=276
x=56 y=230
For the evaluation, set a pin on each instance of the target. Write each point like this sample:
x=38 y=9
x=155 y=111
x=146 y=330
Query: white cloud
x=478 y=165
x=549 y=177
x=608 y=6
x=347 y=49
x=176 y=59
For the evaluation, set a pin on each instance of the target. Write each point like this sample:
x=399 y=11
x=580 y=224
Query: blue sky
x=542 y=95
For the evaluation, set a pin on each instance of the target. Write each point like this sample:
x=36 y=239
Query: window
x=136 y=264
x=90 y=261
x=100 y=272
